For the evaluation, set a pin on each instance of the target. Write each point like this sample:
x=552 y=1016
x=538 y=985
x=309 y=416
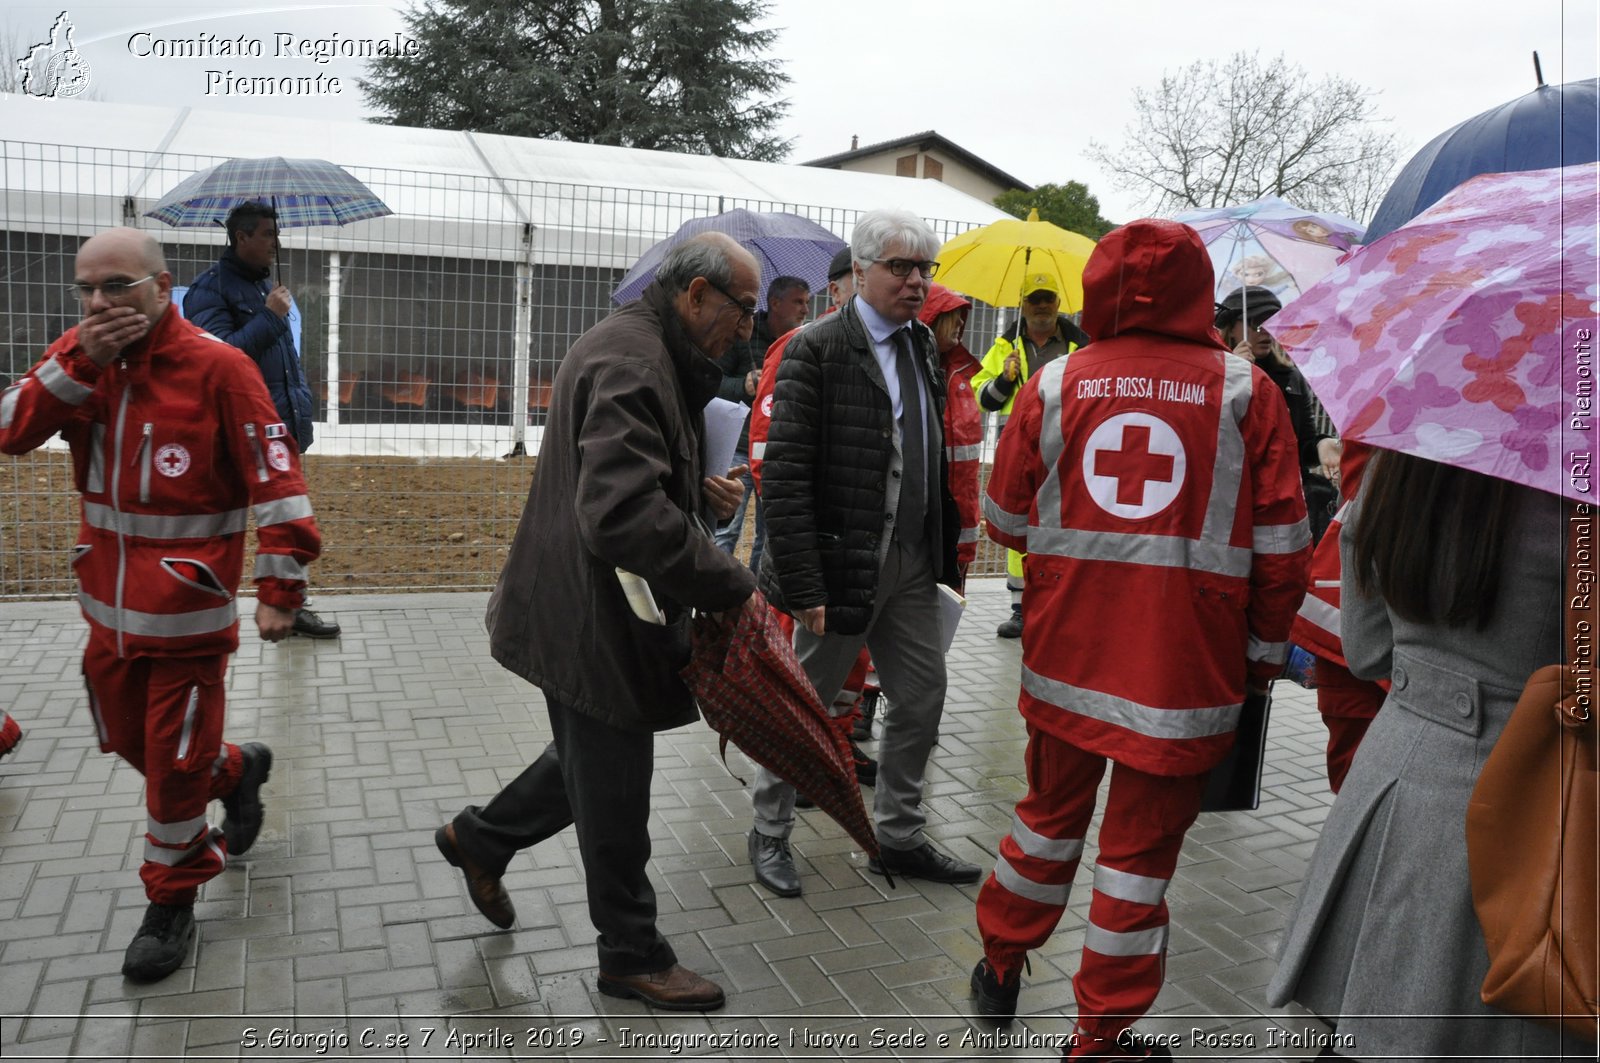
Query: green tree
x=1218 y=134
x=1069 y=206
x=670 y=75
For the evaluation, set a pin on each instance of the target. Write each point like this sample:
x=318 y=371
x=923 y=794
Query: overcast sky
x=1026 y=84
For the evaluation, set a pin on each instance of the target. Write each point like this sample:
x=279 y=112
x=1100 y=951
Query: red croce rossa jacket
x=1153 y=480
x=174 y=444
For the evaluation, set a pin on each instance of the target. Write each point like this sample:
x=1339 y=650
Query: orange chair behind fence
x=406 y=389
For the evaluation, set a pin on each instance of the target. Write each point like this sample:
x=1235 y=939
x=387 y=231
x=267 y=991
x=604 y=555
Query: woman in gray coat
x=1452 y=588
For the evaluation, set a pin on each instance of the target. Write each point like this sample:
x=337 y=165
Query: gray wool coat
x=1383 y=934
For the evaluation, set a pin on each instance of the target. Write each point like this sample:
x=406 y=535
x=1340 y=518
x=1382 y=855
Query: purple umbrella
x=1271 y=243
x=784 y=245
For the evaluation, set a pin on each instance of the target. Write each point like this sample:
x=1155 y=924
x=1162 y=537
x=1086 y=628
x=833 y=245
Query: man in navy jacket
x=236 y=302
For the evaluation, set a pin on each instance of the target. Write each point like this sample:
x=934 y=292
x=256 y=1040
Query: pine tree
x=670 y=75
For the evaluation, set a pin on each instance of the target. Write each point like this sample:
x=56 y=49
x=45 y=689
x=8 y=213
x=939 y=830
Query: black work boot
x=161 y=944
x=997 y=1000
x=243 y=806
x=1011 y=627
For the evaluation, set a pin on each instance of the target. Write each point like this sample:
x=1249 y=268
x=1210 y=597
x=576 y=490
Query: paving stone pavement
x=343 y=934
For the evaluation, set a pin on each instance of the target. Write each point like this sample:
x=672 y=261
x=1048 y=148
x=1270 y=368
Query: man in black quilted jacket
x=860 y=530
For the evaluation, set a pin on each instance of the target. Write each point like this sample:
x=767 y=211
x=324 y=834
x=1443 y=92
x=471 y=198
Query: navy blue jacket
x=229 y=300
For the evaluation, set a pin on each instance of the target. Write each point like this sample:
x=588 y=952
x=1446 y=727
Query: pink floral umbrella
x=1467 y=335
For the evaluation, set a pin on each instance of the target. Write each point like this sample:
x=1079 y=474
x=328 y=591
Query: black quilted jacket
x=824 y=478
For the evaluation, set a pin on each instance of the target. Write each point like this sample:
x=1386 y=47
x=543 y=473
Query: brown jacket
x=618 y=485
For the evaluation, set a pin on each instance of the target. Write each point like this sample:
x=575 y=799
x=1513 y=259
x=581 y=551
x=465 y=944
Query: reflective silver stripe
x=281 y=565
x=1320 y=614
x=1143 y=719
x=1051 y=445
x=58 y=383
x=154 y=526
x=1007 y=522
x=282 y=510
x=1012 y=880
x=160 y=625
x=759 y=450
x=8 y=403
x=969 y=535
x=1269 y=652
x=1342 y=517
x=1126 y=886
x=1228 y=471
x=1136 y=548
x=96 y=483
x=966 y=452
x=175 y=833
x=159 y=854
x=189 y=712
x=220 y=765
x=1152 y=942
x=1061 y=850
x=1280 y=538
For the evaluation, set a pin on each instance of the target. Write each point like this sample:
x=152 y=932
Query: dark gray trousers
x=597 y=777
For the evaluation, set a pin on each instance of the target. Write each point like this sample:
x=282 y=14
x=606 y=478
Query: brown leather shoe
x=484 y=888
x=675 y=989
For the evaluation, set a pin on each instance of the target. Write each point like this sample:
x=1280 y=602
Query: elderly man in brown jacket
x=619 y=485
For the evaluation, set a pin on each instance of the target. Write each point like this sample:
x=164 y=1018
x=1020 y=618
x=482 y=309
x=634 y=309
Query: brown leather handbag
x=1533 y=838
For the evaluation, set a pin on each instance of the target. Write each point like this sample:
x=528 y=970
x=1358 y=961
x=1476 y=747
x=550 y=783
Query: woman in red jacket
x=945 y=312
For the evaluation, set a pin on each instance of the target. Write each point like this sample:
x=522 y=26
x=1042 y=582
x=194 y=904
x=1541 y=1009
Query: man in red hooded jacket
x=1153 y=481
x=175 y=444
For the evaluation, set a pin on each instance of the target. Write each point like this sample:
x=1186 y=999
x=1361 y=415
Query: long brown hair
x=1429 y=539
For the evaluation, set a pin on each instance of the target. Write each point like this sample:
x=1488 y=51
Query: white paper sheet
x=724 y=420
x=951 y=606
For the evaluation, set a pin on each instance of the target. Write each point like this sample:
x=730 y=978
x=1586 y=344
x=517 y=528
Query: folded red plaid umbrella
x=753 y=692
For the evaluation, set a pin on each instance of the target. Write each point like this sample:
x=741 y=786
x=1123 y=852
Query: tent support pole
x=335 y=283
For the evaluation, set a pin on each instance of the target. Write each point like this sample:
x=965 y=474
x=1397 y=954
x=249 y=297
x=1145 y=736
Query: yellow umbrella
x=990 y=262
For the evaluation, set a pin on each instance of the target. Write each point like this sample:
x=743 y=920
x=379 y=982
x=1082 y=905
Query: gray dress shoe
x=774 y=864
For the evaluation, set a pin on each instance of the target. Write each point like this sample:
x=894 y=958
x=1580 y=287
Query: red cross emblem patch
x=1134 y=465
x=172 y=460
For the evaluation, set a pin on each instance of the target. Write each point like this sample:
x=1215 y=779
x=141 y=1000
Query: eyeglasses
x=902 y=267
x=1040 y=297
x=110 y=289
x=745 y=312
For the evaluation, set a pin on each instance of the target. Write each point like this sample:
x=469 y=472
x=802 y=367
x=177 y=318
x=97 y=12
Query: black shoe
x=312 y=626
x=866 y=767
x=243 y=806
x=774 y=864
x=1011 y=628
x=997 y=1000
x=802 y=801
x=161 y=944
x=863 y=725
x=1126 y=1046
x=924 y=862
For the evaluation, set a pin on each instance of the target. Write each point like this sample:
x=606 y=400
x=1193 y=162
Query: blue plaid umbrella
x=304 y=192
x=784 y=245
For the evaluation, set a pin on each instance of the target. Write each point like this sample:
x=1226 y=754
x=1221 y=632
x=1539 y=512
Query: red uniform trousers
x=1125 y=945
x=1347 y=705
x=163 y=715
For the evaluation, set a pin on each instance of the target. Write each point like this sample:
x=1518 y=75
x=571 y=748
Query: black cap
x=840 y=264
x=1262 y=305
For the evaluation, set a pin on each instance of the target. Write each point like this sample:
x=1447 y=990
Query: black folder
x=1235 y=784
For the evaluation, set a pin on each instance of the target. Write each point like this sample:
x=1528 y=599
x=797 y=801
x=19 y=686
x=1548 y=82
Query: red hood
x=1152 y=276
x=939 y=300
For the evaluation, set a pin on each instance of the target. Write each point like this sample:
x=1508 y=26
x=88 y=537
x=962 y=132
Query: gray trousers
x=908 y=651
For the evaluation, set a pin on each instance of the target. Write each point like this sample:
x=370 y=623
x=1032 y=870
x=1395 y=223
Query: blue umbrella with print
x=302 y=191
x=1271 y=243
x=784 y=245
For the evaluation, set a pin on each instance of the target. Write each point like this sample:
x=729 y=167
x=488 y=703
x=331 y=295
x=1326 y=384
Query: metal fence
x=430 y=338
